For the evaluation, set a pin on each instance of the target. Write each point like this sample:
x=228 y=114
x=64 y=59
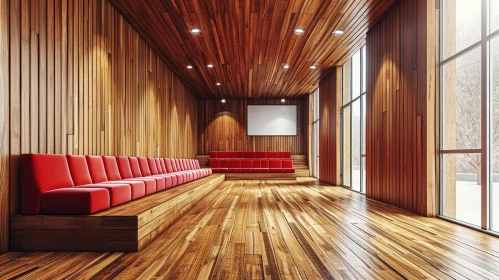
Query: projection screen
x=272 y=120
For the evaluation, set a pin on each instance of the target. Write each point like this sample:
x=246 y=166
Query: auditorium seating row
x=252 y=165
x=82 y=185
x=250 y=155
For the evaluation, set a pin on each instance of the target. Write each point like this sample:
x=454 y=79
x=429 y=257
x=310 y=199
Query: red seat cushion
x=96 y=168
x=275 y=166
x=74 y=201
x=118 y=193
x=79 y=170
x=41 y=173
x=246 y=165
x=264 y=166
x=287 y=166
x=224 y=165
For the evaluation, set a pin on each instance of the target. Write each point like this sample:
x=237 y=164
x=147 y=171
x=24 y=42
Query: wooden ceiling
x=250 y=41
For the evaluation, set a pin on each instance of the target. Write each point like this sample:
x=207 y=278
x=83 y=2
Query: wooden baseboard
x=125 y=228
x=260 y=176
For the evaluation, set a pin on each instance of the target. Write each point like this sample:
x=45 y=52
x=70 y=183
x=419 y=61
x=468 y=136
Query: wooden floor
x=284 y=230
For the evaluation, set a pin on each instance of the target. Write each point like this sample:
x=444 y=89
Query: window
x=353 y=127
x=469 y=160
x=315 y=134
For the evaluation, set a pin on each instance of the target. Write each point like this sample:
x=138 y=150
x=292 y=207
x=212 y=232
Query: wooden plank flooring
x=284 y=230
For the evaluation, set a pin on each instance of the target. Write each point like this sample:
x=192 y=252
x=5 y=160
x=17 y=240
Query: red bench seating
x=250 y=155
x=82 y=185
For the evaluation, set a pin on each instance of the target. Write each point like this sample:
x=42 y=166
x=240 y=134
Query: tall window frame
x=315 y=133
x=452 y=49
x=353 y=110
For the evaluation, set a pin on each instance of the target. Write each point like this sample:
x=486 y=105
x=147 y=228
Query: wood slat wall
x=222 y=127
x=329 y=127
x=84 y=82
x=401 y=73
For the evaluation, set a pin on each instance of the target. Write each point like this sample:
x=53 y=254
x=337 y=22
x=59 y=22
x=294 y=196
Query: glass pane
x=346 y=147
x=363 y=148
x=461 y=187
x=364 y=66
x=461 y=25
x=494 y=15
x=462 y=102
x=363 y=166
x=356 y=75
x=356 y=130
x=346 y=83
x=494 y=88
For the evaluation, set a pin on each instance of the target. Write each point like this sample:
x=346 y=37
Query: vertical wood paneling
x=83 y=81
x=4 y=125
x=223 y=127
x=329 y=127
x=401 y=73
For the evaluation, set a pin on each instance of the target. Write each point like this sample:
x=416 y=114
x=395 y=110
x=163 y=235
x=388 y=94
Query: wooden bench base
x=260 y=176
x=125 y=228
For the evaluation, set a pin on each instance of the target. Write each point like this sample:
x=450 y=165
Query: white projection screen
x=272 y=120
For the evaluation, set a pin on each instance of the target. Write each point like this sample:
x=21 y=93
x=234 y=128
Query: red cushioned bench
x=83 y=185
x=251 y=162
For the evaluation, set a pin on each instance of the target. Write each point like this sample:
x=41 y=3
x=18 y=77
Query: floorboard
x=299 y=229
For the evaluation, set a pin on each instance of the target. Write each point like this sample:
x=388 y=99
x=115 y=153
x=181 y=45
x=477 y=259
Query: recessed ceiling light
x=286 y=66
x=189 y=66
x=299 y=31
x=223 y=100
x=218 y=84
x=313 y=67
x=210 y=65
x=338 y=32
x=283 y=100
x=196 y=30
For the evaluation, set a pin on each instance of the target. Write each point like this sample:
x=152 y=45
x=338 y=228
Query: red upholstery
x=111 y=167
x=113 y=172
x=74 y=201
x=163 y=165
x=79 y=170
x=261 y=154
x=287 y=166
x=41 y=173
x=159 y=166
x=96 y=168
x=246 y=166
x=118 y=193
x=144 y=166
x=124 y=167
x=234 y=165
x=224 y=165
x=257 y=166
x=213 y=154
x=134 y=165
x=275 y=166
x=152 y=166
x=168 y=164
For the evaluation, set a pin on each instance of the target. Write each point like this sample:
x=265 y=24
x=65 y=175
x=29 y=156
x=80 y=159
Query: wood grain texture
x=223 y=127
x=83 y=81
x=329 y=127
x=401 y=134
x=4 y=126
x=300 y=229
x=124 y=228
x=249 y=42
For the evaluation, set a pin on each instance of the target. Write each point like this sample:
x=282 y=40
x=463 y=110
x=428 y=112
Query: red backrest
x=174 y=165
x=275 y=163
x=285 y=154
x=79 y=170
x=232 y=155
x=224 y=163
x=234 y=164
x=215 y=163
x=264 y=163
x=111 y=166
x=213 y=154
x=124 y=167
x=41 y=173
x=287 y=163
x=183 y=164
x=169 y=165
x=261 y=154
x=96 y=168
x=197 y=164
x=152 y=166
x=159 y=166
x=247 y=163
x=191 y=164
x=134 y=165
x=257 y=163
x=177 y=164
x=144 y=166
x=163 y=165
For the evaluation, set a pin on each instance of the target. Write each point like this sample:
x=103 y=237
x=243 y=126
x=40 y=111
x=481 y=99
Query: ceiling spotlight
x=283 y=100
x=210 y=65
x=286 y=66
x=218 y=84
x=299 y=31
x=313 y=67
x=338 y=32
x=189 y=67
x=223 y=100
x=196 y=30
